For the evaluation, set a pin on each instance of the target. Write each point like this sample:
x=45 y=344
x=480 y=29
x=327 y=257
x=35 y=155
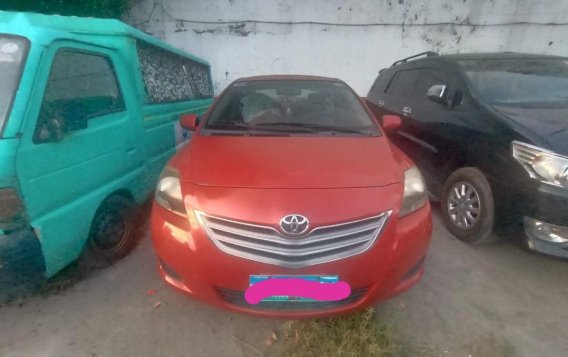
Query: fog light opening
x=170 y=272
x=413 y=271
x=545 y=231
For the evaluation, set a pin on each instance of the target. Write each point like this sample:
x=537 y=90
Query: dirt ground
x=496 y=300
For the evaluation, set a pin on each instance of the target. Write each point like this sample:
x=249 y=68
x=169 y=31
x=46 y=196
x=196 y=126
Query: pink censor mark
x=298 y=288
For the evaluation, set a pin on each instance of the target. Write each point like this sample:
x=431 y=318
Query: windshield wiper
x=231 y=125
x=227 y=125
x=315 y=127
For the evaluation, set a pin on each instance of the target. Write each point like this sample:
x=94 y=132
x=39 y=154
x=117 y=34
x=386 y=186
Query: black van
x=490 y=134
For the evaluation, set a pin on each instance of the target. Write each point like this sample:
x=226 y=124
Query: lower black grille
x=237 y=298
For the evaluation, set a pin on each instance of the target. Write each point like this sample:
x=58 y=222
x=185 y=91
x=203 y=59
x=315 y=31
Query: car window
x=403 y=83
x=81 y=85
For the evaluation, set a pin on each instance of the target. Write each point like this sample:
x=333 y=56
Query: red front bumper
x=191 y=262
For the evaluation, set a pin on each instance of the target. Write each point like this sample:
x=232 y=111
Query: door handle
x=406 y=111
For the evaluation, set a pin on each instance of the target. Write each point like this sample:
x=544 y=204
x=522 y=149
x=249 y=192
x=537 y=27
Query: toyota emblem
x=294 y=224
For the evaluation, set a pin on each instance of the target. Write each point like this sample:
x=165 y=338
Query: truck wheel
x=467 y=206
x=115 y=231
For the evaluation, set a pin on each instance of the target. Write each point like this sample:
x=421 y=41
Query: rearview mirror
x=391 y=123
x=438 y=93
x=189 y=121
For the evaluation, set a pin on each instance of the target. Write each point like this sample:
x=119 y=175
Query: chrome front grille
x=267 y=245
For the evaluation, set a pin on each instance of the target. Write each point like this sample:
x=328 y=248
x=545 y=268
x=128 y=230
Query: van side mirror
x=438 y=93
x=391 y=123
x=49 y=131
x=189 y=121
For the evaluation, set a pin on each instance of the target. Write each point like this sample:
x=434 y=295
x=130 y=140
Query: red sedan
x=289 y=201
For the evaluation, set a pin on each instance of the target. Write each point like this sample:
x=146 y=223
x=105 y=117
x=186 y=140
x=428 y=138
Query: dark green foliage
x=86 y=8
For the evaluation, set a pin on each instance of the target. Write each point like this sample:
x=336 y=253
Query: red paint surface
x=261 y=179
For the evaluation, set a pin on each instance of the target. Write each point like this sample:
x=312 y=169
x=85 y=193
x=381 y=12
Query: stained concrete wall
x=349 y=39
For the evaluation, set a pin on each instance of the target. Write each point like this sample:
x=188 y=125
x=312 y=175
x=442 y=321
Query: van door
x=77 y=141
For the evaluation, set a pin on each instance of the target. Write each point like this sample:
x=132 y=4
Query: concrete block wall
x=348 y=39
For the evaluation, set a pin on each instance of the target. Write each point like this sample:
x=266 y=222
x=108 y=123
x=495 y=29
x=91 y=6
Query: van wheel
x=115 y=231
x=467 y=206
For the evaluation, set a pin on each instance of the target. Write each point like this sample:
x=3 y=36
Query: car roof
x=496 y=55
x=474 y=56
x=289 y=77
x=453 y=58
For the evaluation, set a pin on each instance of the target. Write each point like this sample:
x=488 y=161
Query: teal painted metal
x=63 y=183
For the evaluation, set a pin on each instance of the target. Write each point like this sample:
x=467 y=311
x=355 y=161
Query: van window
x=402 y=84
x=13 y=51
x=81 y=85
x=169 y=77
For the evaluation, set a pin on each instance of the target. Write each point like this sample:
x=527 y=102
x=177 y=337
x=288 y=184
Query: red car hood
x=288 y=162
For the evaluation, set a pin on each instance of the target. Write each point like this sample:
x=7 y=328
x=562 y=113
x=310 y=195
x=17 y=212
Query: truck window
x=169 y=77
x=81 y=85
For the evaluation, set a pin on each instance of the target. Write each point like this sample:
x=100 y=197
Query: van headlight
x=415 y=195
x=168 y=191
x=541 y=164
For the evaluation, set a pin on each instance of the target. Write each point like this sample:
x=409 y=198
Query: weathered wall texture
x=349 y=39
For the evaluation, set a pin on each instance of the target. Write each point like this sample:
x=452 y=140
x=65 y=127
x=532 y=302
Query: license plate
x=253 y=279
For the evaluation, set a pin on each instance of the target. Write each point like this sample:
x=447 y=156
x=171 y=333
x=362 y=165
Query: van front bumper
x=22 y=265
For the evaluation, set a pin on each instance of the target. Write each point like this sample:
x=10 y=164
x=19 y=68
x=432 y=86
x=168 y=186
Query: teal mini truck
x=89 y=115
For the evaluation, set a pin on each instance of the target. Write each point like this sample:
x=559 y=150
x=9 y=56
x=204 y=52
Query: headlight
x=415 y=195
x=543 y=165
x=168 y=191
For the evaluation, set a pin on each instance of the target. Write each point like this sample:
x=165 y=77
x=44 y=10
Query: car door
x=432 y=126
x=77 y=140
x=399 y=99
x=376 y=97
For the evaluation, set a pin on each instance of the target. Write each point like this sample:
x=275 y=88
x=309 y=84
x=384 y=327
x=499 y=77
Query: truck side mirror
x=189 y=121
x=438 y=93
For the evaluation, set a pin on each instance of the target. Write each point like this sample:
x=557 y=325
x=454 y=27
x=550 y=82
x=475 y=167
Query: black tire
x=114 y=232
x=459 y=211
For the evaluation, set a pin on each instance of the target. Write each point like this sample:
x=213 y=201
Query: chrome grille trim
x=267 y=245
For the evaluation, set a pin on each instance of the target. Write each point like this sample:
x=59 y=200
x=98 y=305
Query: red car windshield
x=291 y=106
x=13 y=51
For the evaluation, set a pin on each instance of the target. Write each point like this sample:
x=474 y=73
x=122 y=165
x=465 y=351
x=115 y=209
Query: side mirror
x=391 y=123
x=189 y=121
x=438 y=93
x=49 y=131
